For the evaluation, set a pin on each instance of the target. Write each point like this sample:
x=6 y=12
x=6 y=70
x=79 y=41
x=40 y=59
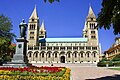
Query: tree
x=51 y=1
x=110 y=15
x=5 y=28
x=104 y=59
x=6 y=36
x=116 y=58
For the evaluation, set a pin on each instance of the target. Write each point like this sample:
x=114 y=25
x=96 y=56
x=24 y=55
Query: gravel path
x=93 y=73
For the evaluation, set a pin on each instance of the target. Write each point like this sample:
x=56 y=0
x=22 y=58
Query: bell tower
x=90 y=30
x=33 y=29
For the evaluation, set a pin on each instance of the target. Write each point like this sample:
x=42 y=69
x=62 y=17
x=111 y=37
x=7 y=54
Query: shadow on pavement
x=114 y=77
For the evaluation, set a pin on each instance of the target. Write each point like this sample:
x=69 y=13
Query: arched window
x=29 y=54
x=32 y=19
x=75 y=55
x=34 y=26
x=68 y=55
x=82 y=55
x=42 y=54
x=91 y=19
x=93 y=37
x=94 y=54
x=55 y=55
x=92 y=32
x=88 y=55
x=49 y=55
x=30 y=26
x=92 y=26
x=36 y=54
x=41 y=32
x=85 y=36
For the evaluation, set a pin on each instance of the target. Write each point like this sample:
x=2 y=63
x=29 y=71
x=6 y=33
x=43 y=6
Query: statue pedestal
x=20 y=58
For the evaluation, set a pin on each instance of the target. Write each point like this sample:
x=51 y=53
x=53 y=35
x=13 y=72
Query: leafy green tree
x=51 y=1
x=116 y=58
x=110 y=15
x=105 y=59
x=4 y=45
x=6 y=36
x=5 y=28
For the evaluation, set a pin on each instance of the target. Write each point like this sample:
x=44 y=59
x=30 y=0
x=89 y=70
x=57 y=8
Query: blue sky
x=63 y=19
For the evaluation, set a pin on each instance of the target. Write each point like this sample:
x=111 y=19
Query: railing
x=61 y=48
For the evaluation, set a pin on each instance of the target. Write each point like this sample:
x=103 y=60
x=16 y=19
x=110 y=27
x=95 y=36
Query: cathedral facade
x=41 y=49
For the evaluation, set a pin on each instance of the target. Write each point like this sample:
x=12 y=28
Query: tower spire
x=91 y=13
x=42 y=28
x=34 y=14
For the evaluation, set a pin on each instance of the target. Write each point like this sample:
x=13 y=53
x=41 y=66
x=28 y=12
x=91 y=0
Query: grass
x=115 y=68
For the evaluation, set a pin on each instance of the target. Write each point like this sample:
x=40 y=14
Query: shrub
x=116 y=58
x=104 y=59
x=110 y=64
x=103 y=64
x=7 y=58
x=116 y=63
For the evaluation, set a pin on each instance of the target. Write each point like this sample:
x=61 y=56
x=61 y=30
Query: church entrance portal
x=62 y=59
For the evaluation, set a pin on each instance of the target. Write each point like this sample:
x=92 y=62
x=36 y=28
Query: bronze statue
x=23 y=28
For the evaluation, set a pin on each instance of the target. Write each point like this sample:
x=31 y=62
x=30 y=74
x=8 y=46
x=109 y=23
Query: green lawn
x=115 y=68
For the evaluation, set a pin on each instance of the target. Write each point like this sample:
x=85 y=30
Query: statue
x=23 y=28
x=20 y=57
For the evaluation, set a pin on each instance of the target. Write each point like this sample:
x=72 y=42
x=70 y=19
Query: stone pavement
x=89 y=72
x=94 y=73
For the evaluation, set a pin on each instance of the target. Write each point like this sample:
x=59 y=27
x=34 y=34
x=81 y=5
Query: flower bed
x=35 y=73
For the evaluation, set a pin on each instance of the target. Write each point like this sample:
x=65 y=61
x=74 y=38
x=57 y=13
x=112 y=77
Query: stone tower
x=90 y=30
x=42 y=31
x=33 y=29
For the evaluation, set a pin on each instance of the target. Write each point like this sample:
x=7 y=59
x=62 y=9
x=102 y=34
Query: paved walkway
x=94 y=73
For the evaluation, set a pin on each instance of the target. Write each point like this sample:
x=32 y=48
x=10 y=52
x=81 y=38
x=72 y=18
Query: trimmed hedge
x=116 y=58
x=116 y=63
x=101 y=64
x=104 y=63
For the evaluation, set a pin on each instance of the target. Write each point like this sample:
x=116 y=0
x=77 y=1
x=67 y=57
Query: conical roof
x=91 y=13
x=34 y=14
x=42 y=28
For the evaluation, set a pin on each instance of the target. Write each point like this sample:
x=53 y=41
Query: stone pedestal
x=20 y=58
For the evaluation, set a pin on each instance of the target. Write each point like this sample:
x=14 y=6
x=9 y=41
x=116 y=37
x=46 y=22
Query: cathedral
x=41 y=49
